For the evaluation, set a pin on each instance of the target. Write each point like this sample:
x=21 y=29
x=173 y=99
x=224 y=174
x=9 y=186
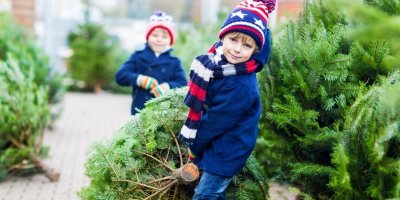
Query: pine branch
x=178 y=147
x=162 y=189
x=152 y=157
x=136 y=183
x=161 y=179
x=109 y=163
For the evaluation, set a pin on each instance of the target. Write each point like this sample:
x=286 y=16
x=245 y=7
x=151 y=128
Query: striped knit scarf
x=203 y=68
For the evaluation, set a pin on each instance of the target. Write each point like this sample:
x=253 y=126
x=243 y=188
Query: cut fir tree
x=24 y=115
x=144 y=160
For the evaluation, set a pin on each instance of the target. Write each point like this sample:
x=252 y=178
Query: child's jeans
x=211 y=186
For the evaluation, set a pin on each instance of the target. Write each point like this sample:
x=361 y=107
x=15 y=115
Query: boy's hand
x=146 y=82
x=159 y=90
x=191 y=155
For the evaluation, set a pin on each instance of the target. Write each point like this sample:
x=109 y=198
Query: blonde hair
x=245 y=39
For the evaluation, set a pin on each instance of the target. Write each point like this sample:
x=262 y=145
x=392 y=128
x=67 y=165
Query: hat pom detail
x=161 y=16
x=270 y=4
x=160 y=19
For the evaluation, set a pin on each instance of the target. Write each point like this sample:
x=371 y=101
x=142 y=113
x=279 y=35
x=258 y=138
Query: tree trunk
x=50 y=173
x=97 y=88
x=187 y=173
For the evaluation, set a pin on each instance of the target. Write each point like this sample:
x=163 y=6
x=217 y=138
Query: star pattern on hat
x=239 y=14
x=259 y=23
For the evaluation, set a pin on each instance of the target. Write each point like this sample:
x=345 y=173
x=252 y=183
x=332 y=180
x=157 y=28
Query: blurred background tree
x=29 y=91
x=96 y=55
x=196 y=39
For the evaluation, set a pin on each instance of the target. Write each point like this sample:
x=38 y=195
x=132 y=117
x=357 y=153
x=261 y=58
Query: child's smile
x=159 y=40
x=238 y=47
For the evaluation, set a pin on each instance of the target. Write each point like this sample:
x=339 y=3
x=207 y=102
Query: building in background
x=23 y=12
x=5 y=5
x=52 y=20
x=289 y=9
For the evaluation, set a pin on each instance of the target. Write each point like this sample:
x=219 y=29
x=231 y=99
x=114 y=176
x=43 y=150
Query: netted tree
x=140 y=160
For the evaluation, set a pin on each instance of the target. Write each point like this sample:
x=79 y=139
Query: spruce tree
x=315 y=75
x=24 y=115
x=94 y=56
x=28 y=88
x=367 y=159
x=138 y=161
x=375 y=20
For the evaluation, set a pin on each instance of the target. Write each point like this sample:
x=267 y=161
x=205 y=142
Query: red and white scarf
x=202 y=70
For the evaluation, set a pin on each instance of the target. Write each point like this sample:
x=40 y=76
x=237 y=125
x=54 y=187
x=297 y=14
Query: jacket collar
x=167 y=51
x=149 y=55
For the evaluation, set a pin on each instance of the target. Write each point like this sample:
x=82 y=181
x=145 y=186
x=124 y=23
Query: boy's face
x=159 y=40
x=238 y=47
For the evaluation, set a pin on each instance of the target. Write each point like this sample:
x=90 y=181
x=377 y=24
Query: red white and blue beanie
x=249 y=17
x=161 y=20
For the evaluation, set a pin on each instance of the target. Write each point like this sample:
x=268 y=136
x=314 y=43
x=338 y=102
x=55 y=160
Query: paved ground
x=86 y=118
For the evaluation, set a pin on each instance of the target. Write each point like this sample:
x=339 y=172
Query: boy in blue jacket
x=153 y=70
x=224 y=100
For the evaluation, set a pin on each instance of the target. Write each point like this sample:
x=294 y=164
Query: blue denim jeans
x=211 y=186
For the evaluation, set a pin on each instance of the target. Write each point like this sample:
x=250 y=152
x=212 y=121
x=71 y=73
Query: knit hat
x=249 y=17
x=161 y=20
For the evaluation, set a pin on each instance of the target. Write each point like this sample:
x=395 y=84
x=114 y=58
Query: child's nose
x=237 y=47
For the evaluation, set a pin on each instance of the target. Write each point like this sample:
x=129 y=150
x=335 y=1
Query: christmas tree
x=24 y=115
x=367 y=158
x=141 y=160
x=314 y=77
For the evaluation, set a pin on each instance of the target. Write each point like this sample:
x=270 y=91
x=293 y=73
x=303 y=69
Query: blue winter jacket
x=164 y=68
x=229 y=125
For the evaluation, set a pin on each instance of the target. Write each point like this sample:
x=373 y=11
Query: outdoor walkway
x=86 y=118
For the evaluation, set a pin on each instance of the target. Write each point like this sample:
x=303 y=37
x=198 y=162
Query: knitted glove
x=160 y=89
x=191 y=155
x=146 y=82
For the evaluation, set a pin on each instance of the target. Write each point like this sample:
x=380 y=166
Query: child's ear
x=256 y=50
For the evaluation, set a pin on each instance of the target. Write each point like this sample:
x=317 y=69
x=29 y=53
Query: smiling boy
x=223 y=99
x=152 y=71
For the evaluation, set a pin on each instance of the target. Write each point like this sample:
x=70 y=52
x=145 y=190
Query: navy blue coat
x=229 y=125
x=164 y=68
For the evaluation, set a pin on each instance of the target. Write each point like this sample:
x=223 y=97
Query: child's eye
x=233 y=39
x=248 y=46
